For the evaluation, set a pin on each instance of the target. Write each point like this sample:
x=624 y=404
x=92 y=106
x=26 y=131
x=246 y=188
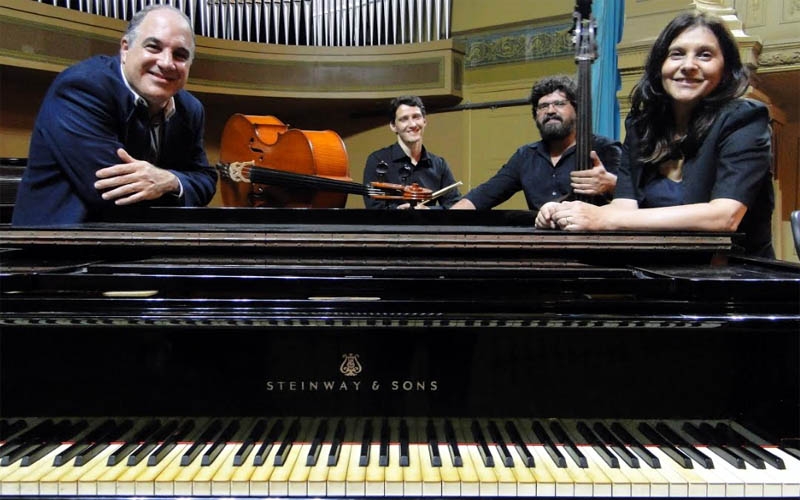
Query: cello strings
x=263 y=175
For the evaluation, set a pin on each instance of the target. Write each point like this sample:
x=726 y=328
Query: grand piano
x=349 y=353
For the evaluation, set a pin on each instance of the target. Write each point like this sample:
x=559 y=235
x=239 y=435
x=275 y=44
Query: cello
x=265 y=163
x=268 y=142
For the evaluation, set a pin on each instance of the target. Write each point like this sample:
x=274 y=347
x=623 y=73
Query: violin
x=249 y=173
x=265 y=163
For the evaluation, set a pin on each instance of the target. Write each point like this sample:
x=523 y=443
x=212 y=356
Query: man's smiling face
x=156 y=60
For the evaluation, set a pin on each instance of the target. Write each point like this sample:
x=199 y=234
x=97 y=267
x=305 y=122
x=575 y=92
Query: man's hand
x=595 y=181
x=544 y=219
x=133 y=181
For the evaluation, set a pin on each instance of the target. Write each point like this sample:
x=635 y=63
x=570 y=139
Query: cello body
x=268 y=142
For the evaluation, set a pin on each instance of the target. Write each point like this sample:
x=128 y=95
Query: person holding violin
x=697 y=156
x=546 y=170
x=120 y=130
x=407 y=161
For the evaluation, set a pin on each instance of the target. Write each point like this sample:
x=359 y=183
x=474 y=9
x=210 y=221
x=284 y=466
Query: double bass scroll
x=584 y=32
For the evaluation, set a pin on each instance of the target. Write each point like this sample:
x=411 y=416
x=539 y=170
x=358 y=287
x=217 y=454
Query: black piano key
x=452 y=444
x=20 y=452
x=101 y=444
x=366 y=443
x=433 y=444
x=683 y=445
x=706 y=435
x=141 y=435
x=738 y=449
x=336 y=444
x=63 y=431
x=152 y=442
x=499 y=443
x=405 y=443
x=316 y=443
x=286 y=444
x=8 y=429
x=272 y=437
x=637 y=447
x=480 y=443
x=722 y=439
x=741 y=441
x=160 y=452
x=209 y=433
x=255 y=435
x=79 y=446
x=615 y=445
x=219 y=444
x=572 y=450
x=519 y=444
x=599 y=448
x=792 y=450
x=31 y=437
x=170 y=443
x=383 y=447
x=665 y=446
x=544 y=439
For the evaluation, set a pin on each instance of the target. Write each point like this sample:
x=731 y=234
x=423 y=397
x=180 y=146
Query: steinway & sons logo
x=349 y=369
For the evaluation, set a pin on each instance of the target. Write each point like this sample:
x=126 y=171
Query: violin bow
x=440 y=192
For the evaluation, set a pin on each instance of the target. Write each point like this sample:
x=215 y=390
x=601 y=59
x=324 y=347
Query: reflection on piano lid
x=389 y=456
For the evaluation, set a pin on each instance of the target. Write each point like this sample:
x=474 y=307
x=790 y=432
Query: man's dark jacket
x=87 y=114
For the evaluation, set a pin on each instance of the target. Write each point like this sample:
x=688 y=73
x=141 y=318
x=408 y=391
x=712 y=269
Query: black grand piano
x=349 y=353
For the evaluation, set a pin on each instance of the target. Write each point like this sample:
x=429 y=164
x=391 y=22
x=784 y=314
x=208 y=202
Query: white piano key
x=695 y=485
x=506 y=480
x=607 y=481
x=222 y=482
x=374 y=478
x=393 y=476
x=700 y=482
x=658 y=484
x=145 y=482
x=564 y=486
x=318 y=475
x=203 y=482
x=337 y=475
x=580 y=478
x=412 y=475
x=68 y=483
x=790 y=476
x=733 y=485
x=451 y=480
x=279 y=480
x=25 y=480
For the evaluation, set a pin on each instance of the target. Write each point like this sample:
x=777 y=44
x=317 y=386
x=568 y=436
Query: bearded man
x=545 y=170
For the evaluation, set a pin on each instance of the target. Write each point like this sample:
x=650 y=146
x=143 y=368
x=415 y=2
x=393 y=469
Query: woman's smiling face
x=693 y=67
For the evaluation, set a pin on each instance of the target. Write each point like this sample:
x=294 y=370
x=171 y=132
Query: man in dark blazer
x=120 y=130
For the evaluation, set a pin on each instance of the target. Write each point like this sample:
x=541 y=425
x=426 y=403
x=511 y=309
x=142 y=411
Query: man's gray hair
x=133 y=26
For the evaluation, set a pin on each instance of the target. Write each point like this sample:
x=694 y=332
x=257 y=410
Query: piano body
x=348 y=353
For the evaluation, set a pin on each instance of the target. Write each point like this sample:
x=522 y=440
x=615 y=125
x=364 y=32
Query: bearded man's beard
x=555 y=129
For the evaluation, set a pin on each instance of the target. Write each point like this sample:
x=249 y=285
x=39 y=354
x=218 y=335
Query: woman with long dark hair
x=696 y=154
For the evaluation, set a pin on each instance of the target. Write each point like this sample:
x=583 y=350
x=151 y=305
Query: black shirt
x=430 y=172
x=733 y=161
x=530 y=170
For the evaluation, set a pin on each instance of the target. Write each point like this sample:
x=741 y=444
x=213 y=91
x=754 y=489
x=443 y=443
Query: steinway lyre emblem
x=350 y=367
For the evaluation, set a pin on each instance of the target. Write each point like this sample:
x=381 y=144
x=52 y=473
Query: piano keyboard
x=350 y=457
